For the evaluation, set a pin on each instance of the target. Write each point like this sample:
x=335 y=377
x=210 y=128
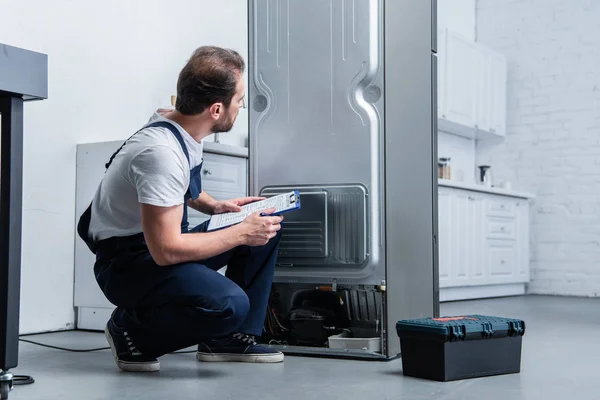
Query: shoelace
x=132 y=348
x=244 y=338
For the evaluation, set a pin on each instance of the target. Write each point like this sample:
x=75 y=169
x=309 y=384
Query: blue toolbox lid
x=468 y=327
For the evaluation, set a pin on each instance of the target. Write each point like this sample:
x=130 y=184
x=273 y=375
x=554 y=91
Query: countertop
x=484 y=189
x=225 y=149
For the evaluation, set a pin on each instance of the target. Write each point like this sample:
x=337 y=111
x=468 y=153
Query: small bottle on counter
x=444 y=168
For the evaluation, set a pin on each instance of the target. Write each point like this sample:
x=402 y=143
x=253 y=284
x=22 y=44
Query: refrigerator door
x=316 y=124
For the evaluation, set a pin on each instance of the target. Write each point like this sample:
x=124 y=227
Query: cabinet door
x=453 y=252
x=522 y=224
x=475 y=237
x=461 y=238
x=460 y=80
x=484 y=90
x=497 y=100
x=445 y=236
x=441 y=78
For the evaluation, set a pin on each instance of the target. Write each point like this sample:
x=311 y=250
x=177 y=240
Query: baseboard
x=481 y=292
x=93 y=318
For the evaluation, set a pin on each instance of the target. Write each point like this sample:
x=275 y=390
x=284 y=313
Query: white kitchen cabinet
x=483 y=244
x=471 y=87
x=484 y=109
x=459 y=88
x=445 y=232
x=458 y=219
x=497 y=97
x=491 y=92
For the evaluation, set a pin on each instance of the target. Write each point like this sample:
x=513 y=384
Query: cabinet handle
x=443 y=115
x=471 y=198
x=493 y=130
x=502 y=206
x=502 y=262
x=502 y=229
x=208 y=171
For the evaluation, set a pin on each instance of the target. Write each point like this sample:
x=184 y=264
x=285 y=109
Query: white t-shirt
x=152 y=169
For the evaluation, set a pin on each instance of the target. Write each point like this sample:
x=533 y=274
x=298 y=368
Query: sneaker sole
x=129 y=366
x=225 y=357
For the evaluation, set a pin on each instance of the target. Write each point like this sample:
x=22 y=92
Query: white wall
x=553 y=140
x=111 y=63
x=462 y=154
x=459 y=16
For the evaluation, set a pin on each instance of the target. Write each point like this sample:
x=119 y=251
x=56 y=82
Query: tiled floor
x=561 y=360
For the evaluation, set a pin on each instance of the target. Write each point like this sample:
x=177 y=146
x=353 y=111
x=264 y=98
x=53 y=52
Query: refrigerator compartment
x=329 y=230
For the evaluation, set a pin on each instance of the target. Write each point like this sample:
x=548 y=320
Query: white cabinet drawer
x=502 y=259
x=501 y=229
x=223 y=173
x=501 y=207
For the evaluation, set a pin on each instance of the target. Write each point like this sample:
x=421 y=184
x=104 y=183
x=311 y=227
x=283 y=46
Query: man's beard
x=223 y=126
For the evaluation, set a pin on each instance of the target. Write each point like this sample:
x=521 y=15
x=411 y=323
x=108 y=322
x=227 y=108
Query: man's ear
x=216 y=111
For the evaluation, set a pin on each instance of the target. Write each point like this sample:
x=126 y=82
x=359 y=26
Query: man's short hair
x=210 y=76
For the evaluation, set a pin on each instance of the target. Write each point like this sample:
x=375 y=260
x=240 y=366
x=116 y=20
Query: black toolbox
x=452 y=348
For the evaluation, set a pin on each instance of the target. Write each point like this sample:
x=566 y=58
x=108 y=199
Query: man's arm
x=168 y=246
x=159 y=178
x=205 y=203
x=208 y=205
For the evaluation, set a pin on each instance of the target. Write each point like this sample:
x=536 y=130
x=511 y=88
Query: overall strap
x=163 y=124
x=177 y=135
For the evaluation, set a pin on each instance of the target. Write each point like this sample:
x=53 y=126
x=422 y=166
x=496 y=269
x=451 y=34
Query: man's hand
x=234 y=205
x=257 y=230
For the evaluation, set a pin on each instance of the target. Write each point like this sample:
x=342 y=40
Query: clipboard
x=282 y=203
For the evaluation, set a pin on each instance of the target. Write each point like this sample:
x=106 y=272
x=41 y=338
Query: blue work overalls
x=167 y=308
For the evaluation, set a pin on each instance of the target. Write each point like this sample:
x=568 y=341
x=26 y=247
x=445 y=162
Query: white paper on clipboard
x=282 y=203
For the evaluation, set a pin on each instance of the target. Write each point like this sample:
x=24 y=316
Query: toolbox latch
x=516 y=328
x=457 y=333
x=487 y=329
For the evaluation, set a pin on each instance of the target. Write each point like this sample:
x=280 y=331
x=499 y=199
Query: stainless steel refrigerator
x=342 y=98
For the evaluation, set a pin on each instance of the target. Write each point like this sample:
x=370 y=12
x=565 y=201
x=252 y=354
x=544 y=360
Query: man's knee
x=236 y=305
x=222 y=312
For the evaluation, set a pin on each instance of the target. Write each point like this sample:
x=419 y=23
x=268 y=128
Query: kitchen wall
x=462 y=154
x=111 y=63
x=553 y=136
x=458 y=16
